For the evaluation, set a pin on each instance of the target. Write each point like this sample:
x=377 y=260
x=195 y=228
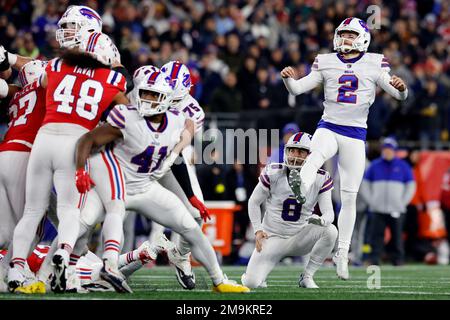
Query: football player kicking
x=290 y=228
x=143 y=137
x=350 y=78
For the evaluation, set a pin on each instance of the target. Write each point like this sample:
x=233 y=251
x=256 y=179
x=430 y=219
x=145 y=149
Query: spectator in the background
x=240 y=183
x=27 y=47
x=212 y=71
x=430 y=107
x=224 y=23
x=227 y=97
x=47 y=23
x=277 y=154
x=213 y=177
x=232 y=55
x=388 y=187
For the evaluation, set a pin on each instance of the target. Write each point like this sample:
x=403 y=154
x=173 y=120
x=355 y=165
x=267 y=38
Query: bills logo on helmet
x=364 y=25
x=90 y=14
x=186 y=80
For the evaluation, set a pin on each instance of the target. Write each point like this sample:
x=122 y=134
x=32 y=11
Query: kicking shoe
x=149 y=251
x=307 y=282
x=111 y=274
x=341 y=261
x=16 y=278
x=59 y=280
x=230 y=286
x=73 y=281
x=183 y=268
x=295 y=182
x=98 y=286
x=37 y=287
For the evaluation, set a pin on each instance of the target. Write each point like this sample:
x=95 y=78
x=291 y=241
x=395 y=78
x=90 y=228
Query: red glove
x=200 y=206
x=83 y=181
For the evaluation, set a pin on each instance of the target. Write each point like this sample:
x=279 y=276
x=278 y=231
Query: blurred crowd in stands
x=235 y=50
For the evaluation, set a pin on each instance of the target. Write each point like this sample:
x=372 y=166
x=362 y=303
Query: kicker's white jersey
x=145 y=145
x=192 y=110
x=349 y=86
x=284 y=215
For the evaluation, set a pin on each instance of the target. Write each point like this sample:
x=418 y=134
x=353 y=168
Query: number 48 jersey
x=284 y=215
x=79 y=95
x=145 y=145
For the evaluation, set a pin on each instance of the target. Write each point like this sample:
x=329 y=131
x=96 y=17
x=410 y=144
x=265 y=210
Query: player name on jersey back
x=26 y=113
x=78 y=95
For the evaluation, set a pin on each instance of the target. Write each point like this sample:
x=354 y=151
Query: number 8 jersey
x=79 y=95
x=284 y=215
x=145 y=145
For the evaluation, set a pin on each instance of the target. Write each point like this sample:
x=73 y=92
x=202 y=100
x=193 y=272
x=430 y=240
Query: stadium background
x=235 y=51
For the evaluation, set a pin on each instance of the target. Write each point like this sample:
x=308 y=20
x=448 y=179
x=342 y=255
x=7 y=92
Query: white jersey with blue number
x=284 y=215
x=192 y=110
x=145 y=145
x=349 y=86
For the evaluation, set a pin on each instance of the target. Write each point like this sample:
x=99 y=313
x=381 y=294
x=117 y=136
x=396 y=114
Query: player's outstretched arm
x=305 y=84
x=394 y=85
x=98 y=137
x=326 y=207
x=186 y=137
x=8 y=60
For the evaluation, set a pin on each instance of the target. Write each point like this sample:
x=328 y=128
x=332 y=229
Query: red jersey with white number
x=80 y=95
x=26 y=112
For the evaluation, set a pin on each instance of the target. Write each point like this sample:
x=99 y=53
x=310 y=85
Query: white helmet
x=100 y=46
x=76 y=21
x=157 y=83
x=31 y=71
x=179 y=77
x=141 y=72
x=300 y=140
x=362 y=41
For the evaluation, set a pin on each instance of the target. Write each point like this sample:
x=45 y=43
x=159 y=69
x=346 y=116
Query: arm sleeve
x=4 y=89
x=296 y=87
x=383 y=82
x=181 y=173
x=259 y=195
x=364 y=191
x=128 y=77
x=326 y=207
x=409 y=192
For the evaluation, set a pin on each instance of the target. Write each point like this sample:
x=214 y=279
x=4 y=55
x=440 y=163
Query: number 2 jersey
x=26 y=113
x=145 y=145
x=79 y=95
x=284 y=215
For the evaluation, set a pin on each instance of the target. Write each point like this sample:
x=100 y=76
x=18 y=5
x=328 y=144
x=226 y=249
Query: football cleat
x=295 y=183
x=183 y=268
x=307 y=282
x=37 y=287
x=59 y=280
x=149 y=251
x=230 y=286
x=16 y=277
x=341 y=261
x=98 y=286
x=73 y=281
x=111 y=274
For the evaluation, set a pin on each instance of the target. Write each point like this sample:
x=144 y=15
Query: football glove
x=200 y=206
x=83 y=181
x=318 y=220
x=4 y=62
x=295 y=183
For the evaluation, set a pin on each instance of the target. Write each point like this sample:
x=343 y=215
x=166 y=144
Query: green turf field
x=407 y=282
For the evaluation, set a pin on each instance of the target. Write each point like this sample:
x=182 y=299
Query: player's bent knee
x=331 y=233
x=250 y=281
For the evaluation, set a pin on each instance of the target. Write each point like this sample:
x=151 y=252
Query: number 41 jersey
x=145 y=145
x=284 y=215
x=79 y=95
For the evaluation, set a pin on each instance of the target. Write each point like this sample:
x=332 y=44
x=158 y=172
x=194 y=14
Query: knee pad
x=348 y=199
x=188 y=224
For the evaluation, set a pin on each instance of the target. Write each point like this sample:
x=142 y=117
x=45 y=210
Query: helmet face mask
x=75 y=22
x=346 y=43
x=153 y=95
x=295 y=157
x=296 y=150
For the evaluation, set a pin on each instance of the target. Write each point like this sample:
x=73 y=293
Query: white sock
x=346 y=220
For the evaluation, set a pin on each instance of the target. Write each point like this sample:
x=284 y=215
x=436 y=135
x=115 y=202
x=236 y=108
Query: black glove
x=4 y=62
